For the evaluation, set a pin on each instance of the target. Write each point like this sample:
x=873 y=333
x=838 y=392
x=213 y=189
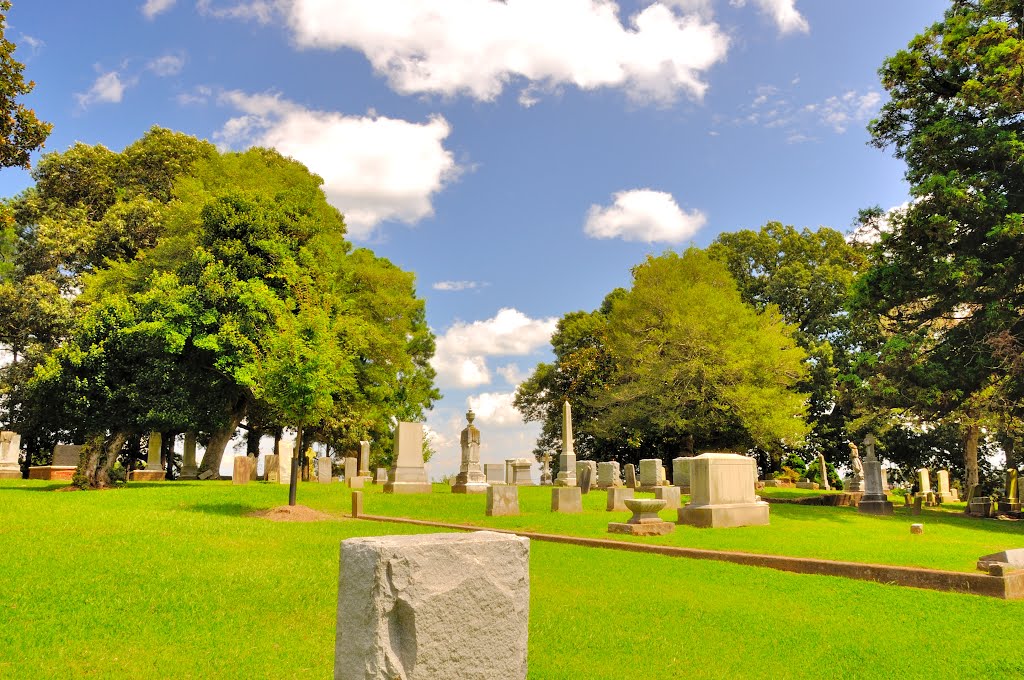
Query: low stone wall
x=1007 y=587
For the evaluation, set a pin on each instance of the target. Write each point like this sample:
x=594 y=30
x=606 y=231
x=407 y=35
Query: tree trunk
x=252 y=443
x=85 y=476
x=219 y=440
x=1011 y=454
x=971 y=436
x=113 y=450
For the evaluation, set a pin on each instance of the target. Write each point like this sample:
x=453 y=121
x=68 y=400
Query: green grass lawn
x=950 y=541
x=172 y=580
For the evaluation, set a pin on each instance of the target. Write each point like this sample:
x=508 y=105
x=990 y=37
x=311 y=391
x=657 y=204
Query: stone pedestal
x=408 y=475
x=681 y=473
x=452 y=606
x=357 y=503
x=356 y=482
x=566 y=499
x=65 y=462
x=471 y=478
x=669 y=494
x=502 y=500
x=147 y=476
x=874 y=500
x=240 y=470
x=617 y=498
x=722 y=492
x=521 y=472
x=189 y=468
x=324 y=469
x=381 y=477
x=645 y=520
x=10 y=450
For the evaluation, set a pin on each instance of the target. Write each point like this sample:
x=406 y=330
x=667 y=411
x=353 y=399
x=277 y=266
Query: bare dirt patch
x=292 y=513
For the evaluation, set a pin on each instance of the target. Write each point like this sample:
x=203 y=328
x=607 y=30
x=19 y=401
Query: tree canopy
x=21 y=132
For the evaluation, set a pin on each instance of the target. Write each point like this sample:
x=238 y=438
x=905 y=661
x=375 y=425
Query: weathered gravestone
x=381 y=477
x=823 y=468
x=722 y=492
x=10 y=449
x=240 y=470
x=364 y=459
x=652 y=474
x=502 y=499
x=408 y=475
x=567 y=461
x=520 y=468
x=874 y=500
x=545 y=470
x=583 y=479
x=608 y=475
x=590 y=465
x=681 y=473
x=324 y=469
x=1009 y=500
x=432 y=606
x=495 y=473
x=945 y=495
x=189 y=468
x=65 y=462
x=566 y=499
x=617 y=497
x=471 y=478
x=630 y=476
x=154 y=471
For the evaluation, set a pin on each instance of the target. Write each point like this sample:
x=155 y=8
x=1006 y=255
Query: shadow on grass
x=56 y=486
x=900 y=514
x=225 y=509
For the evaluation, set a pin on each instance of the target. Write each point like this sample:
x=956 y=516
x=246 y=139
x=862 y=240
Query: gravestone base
x=947 y=498
x=357 y=503
x=470 y=487
x=616 y=498
x=10 y=474
x=51 y=472
x=872 y=505
x=150 y=476
x=669 y=494
x=502 y=500
x=405 y=487
x=648 y=529
x=724 y=516
x=360 y=482
x=1008 y=506
x=189 y=473
x=685 y=490
x=651 y=489
x=566 y=499
x=814 y=486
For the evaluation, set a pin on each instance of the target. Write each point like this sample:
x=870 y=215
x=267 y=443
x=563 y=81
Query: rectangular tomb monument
x=65 y=462
x=433 y=606
x=722 y=492
x=381 y=476
x=325 y=469
x=408 y=474
x=566 y=499
x=10 y=450
x=617 y=498
x=502 y=500
x=521 y=468
x=652 y=474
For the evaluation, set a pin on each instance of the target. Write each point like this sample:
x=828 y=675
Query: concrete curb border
x=1007 y=587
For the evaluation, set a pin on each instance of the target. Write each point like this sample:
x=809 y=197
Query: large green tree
x=946 y=277
x=21 y=132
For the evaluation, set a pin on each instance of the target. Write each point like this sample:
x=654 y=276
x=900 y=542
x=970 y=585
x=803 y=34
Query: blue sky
x=520 y=157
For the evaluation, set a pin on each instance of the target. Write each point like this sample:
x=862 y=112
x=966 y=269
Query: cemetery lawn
x=172 y=579
x=950 y=541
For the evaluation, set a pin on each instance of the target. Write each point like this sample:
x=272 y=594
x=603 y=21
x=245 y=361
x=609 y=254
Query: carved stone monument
x=652 y=474
x=364 y=459
x=1009 y=501
x=154 y=471
x=855 y=482
x=566 y=499
x=645 y=520
x=630 y=476
x=874 y=500
x=722 y=492
x=471 y=478
x=65 y=462
x=545 y=470
x=521 y=468
x=823 y=467
x=408 y=475
x=502 y=499
x=324 y=469
x=617 y=496
x=495 y=473
x=189 y=467
x=567 y=461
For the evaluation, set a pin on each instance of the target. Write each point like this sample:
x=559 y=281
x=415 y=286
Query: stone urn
x=645 y=510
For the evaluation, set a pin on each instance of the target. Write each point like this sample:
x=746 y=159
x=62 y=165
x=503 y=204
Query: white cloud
x=457 y=285
x=374 y=168
x=108 y=87
x=871 y=232
x=154 y=7
x=461 y=355
x=478 y=47
x=850 y=107
x=255 y=10
x=495 y=409
x=512 y=374
x=199 y=95
x=782 y=12
x=643 y=215
x=34 y=44
x=167 y=65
